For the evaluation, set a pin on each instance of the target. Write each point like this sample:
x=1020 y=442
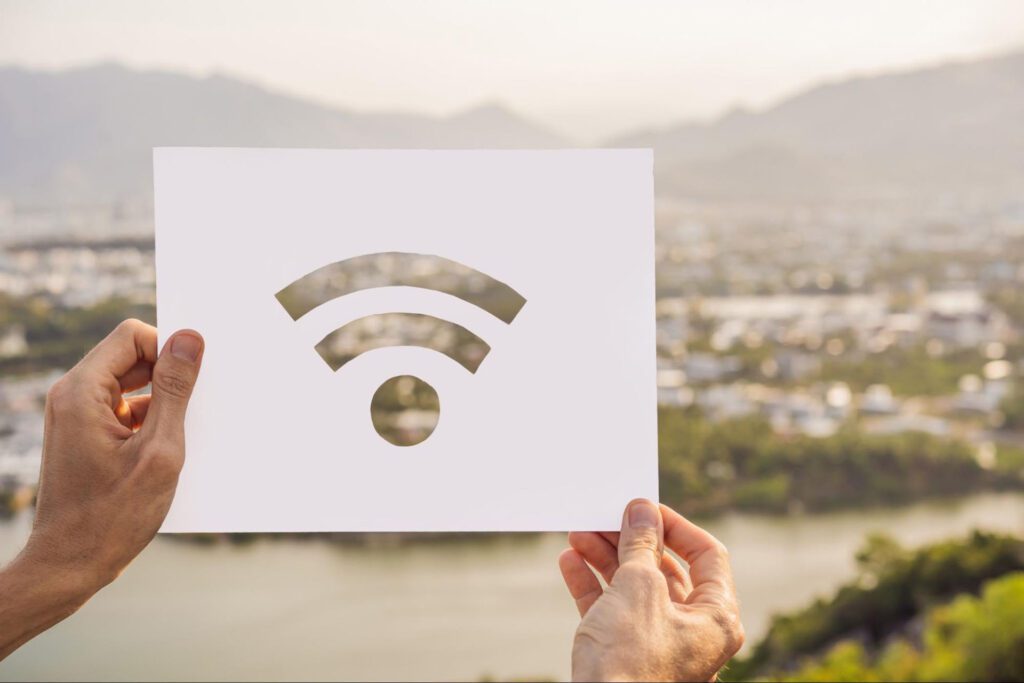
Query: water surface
x=289 y=609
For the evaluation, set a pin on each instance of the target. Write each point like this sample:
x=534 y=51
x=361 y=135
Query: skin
x=111 y=464
x=109 y=469
x=654 y=621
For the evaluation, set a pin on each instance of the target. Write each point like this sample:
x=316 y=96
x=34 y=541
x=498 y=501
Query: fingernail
x=186 y=346
x=643 y=514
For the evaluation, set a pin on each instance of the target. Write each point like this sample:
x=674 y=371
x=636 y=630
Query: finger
x=174 y=376
x=139 y=406
x=138 y=376
x=676 y=577
x=597 y=551
x=131 y=411
x=123 y=412
x=708 y=559
x=642 y=536
x=583 y=585
x=130 y=342
x=600 y=550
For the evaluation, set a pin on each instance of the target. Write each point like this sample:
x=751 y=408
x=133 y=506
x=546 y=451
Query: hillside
x=909 y=615
x=952 y=127
x=86 y=134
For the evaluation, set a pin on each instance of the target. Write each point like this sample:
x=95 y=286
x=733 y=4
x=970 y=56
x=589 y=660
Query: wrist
x=58 y=582
x=68 y=570
x=34 y=597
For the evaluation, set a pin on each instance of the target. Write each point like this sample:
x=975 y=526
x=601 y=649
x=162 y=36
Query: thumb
x=174 y=375
x=643 y=537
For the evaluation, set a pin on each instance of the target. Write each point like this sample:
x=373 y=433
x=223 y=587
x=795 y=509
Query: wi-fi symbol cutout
x=391 y=403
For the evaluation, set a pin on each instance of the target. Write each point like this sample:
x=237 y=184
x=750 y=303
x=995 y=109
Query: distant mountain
x=85 y=135
x=950 y=128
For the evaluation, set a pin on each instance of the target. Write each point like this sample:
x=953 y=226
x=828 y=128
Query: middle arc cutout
x=382 y=330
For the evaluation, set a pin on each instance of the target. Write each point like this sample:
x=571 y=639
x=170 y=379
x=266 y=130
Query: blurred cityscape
x=840 y=320
x=815 y=318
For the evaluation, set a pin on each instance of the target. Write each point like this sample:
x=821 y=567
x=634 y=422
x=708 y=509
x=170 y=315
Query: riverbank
x=890 y=622
x=707 y=467
x=449 y=611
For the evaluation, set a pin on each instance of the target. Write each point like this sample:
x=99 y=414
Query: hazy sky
x=587 y=68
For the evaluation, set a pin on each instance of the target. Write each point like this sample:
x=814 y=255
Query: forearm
x=33 y=598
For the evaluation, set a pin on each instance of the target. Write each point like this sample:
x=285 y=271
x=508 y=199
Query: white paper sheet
x=557 y=428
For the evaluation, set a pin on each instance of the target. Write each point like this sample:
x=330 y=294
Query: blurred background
x=840 y=226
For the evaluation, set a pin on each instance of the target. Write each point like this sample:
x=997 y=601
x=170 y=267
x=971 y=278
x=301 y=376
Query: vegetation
x=1013 y=408
x=14 y=497
x=7 y=499
x=1010 y=300
x=705 y=467
x=58 y=337
x=908 y=371
x=742 y=464
x=872 y=629
x=972 y=639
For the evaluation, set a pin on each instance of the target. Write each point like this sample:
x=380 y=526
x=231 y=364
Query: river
x=293 y=609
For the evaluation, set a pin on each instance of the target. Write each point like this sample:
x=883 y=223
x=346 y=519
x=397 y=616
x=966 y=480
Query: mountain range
x=85 y=135
x=955 y=127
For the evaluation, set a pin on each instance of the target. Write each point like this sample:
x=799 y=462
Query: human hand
x=109 y=469
x=655 y=620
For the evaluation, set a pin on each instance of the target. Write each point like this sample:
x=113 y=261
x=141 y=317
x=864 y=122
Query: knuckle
x=130 y=326
x=59 y=394
x=728 y=621
x=739 y=636
x=163 y=464
x=641 y=572
x=154 y=450
x=590 y=635
x=641 y=542
x=173 y=382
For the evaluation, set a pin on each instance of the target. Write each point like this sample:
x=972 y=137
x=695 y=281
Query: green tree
x=970 y=639
x=894 y=587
